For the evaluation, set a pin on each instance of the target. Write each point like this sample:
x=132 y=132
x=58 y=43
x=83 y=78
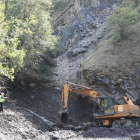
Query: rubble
x=81 y=42
x=19 y=120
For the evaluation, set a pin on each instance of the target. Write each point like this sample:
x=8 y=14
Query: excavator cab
x=106 y=112
x=104 y=106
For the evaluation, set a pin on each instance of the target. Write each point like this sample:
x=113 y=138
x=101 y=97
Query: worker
x=1 y=102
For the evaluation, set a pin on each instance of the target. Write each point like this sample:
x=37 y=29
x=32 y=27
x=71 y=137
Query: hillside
x=116 y=66
x=79 y=27
x=86 y=54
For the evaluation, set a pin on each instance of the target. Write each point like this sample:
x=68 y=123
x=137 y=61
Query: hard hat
x=2 y=93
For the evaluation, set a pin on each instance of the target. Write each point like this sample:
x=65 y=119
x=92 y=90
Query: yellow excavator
x=105 y=111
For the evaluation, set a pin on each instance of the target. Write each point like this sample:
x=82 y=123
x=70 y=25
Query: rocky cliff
x=80 y=27
x=84 y=57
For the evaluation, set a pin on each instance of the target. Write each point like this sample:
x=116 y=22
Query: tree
x=120 y=22
x=10 y=57
x=31 y=20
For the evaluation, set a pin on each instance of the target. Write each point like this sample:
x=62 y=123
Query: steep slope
x=86 y=55
x=80 y=27
x=116 y=66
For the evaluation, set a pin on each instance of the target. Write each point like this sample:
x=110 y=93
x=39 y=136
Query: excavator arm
x=66 y=90
x=62 y=114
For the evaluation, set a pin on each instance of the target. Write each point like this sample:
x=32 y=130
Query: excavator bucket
x=62 y=117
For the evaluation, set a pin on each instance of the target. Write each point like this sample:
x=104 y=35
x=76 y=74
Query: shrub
x=120 y=23
x=136 y=3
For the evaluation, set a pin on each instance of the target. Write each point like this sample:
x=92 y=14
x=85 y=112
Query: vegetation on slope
x=58 y=7
x=117 y=62
x=120 y=21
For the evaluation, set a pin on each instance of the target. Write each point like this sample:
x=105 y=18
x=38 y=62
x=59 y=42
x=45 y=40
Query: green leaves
x=120 y=21
x=26 y=41
x=136 y=3
x=7 y=47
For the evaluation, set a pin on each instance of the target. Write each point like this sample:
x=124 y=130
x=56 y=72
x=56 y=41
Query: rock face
x=108 y=83
x=108 y=70
x=80 y=27
x=81 y=19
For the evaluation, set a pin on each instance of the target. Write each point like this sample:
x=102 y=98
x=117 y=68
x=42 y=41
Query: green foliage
x=28 y=38
x=85 y=120
x=8 y=48
x=58 y=5
x=120 y=23
x=136 y=3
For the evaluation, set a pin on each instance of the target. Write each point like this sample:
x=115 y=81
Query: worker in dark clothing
x=1 y=102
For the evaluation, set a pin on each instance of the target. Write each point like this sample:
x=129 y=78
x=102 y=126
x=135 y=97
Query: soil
x=46 y=102
x=29 y=114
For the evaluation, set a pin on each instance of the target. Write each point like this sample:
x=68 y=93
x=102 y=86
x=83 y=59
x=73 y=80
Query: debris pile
x=14 y=126
x=19 y=121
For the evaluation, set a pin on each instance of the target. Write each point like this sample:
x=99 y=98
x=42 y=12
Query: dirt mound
x=15 y=126
x=46 y=102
